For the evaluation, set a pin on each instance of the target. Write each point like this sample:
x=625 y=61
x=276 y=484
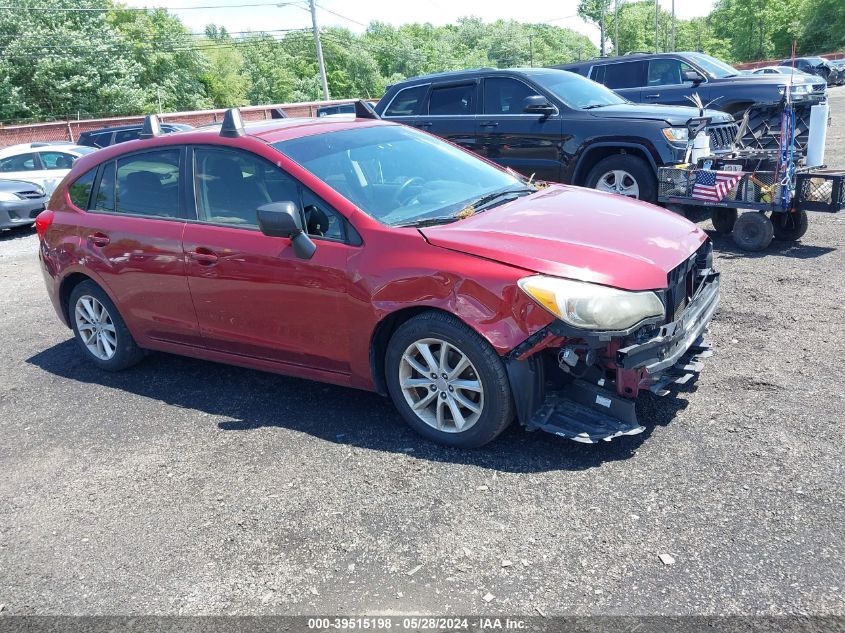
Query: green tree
x=225 y=78
x=596 y=11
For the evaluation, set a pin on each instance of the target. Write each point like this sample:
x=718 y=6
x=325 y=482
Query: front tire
x=723 y=219
x=447 y=382
x=100 y=330
x=626 y=175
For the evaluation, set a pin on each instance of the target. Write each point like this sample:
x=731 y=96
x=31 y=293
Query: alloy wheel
x=95 y=327
x=619 y=181
x=441 y=385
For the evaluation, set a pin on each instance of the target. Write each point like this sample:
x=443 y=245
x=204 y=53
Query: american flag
x=713 y=186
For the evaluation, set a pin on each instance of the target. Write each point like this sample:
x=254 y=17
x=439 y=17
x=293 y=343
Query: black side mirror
x=694 y=76
x=283 y=219
x=537 y=104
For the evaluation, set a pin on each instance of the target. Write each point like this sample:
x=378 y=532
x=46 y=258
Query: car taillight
x=43 y=221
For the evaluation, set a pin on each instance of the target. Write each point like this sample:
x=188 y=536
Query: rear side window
x=622 y=75
x=452 y=100
x=406 y=102
x=21 y=162
x=127 y=135
x=142 y=184
x=148 y=184
x=80 y=190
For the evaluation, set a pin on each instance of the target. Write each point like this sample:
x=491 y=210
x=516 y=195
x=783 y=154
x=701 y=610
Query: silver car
x=20 y=202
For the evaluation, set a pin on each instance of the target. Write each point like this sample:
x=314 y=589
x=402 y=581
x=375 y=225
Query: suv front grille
x=722 y=135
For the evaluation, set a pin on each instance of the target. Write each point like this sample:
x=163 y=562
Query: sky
x=356 y=14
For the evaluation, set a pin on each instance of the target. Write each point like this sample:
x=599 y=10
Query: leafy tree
x=596 y=11
x=225 y=78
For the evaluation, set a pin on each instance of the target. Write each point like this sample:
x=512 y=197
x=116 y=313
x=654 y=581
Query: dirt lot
x=184 y=487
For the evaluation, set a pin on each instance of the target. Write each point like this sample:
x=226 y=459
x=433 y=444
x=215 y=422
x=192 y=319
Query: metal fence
x=71 y=129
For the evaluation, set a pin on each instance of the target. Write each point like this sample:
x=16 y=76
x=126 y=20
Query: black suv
x=121 y=133
x=818 y=66
x=553 y=124
x=671 y=78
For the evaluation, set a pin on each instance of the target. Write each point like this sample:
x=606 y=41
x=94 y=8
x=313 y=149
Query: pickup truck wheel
x=723 y=219
x=753 y=231
x=447 y=382
x=790 y=226
x=626 y=175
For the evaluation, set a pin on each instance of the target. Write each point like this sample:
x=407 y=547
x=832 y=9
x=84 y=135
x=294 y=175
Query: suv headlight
x=676 y=134
x=6 y=196
x=797 y=89
x=590 y=306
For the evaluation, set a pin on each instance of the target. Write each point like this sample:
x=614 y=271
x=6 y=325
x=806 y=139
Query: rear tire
x=790 y=226
x=99 y=329
x=468 y=408
x=623 y=173
x=753 y=231
x=723 y=219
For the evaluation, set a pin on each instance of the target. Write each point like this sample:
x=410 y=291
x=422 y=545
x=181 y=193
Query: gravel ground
x=185 y=487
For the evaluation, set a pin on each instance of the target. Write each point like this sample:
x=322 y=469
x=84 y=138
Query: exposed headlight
x=6 y=196
x=797 y=89
x=676 y=134
x=589 y=306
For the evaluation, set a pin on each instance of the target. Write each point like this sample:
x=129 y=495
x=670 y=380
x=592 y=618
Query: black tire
x=497 y=409
x=791 y=226
x=723 y=219
x=753 y=231
x=126 y=351
x=636 y=167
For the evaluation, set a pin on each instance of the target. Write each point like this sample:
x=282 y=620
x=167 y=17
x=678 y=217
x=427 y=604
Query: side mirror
x=537 y=104
x=283 y=219
x=694 y=76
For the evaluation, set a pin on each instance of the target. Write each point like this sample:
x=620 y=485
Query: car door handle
x=423 y=124
x=490 y=124
x=653 y=96
x=204 y=256
x=99 y=239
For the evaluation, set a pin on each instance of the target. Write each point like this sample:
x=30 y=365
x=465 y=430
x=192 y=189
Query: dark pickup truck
x=672 y=78
x=553 y=124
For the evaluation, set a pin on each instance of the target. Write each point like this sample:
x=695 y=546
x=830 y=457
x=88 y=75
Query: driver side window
x=667 y=72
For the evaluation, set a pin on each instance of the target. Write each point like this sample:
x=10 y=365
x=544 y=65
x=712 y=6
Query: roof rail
x=364 y=110
x=152 y=127
x=233 y=124
x=638 y=53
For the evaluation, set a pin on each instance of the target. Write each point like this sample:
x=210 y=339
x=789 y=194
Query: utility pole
x=531 y=49
x=673 y=26
x=319 y=50
x=616 y=28
x=656 y=26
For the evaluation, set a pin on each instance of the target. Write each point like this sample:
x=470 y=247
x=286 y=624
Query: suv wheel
x=100 y=330
x=723 y=219
x=625 y=175
x=447 y=382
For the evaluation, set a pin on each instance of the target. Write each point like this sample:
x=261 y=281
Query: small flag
x=713 y=186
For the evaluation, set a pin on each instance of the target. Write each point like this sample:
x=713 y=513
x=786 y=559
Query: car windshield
x=82 y=150
x=398 y=175
x=574 y=90
x=712 y=66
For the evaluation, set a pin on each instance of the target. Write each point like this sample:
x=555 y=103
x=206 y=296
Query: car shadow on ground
x=7 y=235
x=250 y=399
x=728 y=249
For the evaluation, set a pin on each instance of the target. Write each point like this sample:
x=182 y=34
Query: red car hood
x=578 y=234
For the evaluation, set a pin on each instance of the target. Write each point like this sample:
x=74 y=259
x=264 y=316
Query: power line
x=343 y=17
x=97 y=10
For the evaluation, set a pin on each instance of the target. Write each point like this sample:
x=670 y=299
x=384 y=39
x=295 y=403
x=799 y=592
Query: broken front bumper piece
x=595 y=407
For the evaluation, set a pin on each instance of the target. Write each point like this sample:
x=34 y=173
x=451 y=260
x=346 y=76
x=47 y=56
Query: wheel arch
x=66 y=287
x=599 y=151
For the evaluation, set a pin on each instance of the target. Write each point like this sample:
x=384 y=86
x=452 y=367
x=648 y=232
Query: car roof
x=627 y=57
x=132 y=126
x=23 y=148
x=469 y=73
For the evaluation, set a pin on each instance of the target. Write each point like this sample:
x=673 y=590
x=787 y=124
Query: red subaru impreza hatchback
x=372 y=255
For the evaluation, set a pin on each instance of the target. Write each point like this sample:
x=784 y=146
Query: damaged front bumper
x=595 y=400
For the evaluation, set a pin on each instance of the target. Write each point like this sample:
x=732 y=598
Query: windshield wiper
x=595 y=105
x=429 y=222
x=490 y=198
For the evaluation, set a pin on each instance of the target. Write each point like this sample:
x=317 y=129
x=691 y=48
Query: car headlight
x=590 y=306
x=6 y=196
x=676 y=134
